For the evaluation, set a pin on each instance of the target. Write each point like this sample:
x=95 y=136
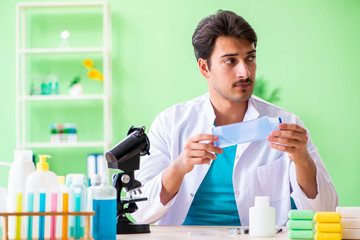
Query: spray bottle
x=42 y=183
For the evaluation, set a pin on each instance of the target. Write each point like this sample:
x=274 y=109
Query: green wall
x=309 y=49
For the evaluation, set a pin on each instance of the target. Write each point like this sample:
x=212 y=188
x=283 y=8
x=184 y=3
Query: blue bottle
x=104 y=205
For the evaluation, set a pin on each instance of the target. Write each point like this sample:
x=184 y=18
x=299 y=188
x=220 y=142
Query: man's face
x=232 y=72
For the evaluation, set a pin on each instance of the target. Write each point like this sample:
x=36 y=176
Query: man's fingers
x=205 y=147
x=292 y=127
x=203 y=154
x=203 y=137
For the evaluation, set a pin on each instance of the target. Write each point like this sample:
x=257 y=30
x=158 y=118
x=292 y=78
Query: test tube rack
x=87 y=215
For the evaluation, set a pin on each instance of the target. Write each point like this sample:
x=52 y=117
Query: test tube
x=65 y=218
x=30 y=208
x=53 y=218
x=77 y=230
x=42 y=218
x=19 y=196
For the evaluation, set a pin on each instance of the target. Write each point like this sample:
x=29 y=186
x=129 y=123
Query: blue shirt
x=214 y=202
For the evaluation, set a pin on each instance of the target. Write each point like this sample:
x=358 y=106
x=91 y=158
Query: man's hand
x=198 y=150
x=293 y=139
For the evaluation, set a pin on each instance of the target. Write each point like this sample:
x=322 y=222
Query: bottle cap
x=42 y=165
x=23 y=155
x=95 y=180
x=61 y=180
x=262 y=201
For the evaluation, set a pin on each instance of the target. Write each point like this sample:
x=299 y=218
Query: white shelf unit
x=23 y=98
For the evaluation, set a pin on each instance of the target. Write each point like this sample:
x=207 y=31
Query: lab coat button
x=237 y=157
x=237 y=193
x=191 y=195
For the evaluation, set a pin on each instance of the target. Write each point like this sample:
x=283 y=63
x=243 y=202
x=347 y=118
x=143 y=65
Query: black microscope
x=125 y=156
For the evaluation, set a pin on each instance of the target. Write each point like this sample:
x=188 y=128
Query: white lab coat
x=258 y=169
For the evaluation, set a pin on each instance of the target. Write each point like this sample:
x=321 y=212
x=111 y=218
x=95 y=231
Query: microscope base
x=130 y=228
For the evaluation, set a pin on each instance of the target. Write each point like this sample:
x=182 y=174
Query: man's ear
x=203 y=67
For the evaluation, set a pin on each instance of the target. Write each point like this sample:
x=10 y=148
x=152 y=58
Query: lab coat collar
x=251 y=112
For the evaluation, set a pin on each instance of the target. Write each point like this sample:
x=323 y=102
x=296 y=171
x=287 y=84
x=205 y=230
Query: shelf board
x=62 y=97
x=61 y=4
x=62 y=145
x=61 y=50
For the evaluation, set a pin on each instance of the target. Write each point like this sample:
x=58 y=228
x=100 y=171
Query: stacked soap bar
x=301 y=224
x=350 y=219
x=328 y=226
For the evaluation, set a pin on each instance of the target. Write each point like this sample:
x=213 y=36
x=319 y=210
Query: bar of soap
x=301 y=214
x=349 y=212
x=300 y=224
x=301 y=234
x=327 y=236
x=327 y=217
x=350 y=223
x=351 y=233
x=328 y=227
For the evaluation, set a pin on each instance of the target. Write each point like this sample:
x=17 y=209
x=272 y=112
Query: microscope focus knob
x=125 y=178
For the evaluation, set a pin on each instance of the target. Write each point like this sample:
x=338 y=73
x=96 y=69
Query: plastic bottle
x=249 y=131
x=104 y=205
x=63 y=193
x=95 y=182
x=262 y=218
x=42 y=182
x=20 y=169
x=77 y=202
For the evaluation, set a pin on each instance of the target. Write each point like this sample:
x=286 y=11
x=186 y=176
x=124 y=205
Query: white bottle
x=262 y=218
x=20 y=169
x=42 y=180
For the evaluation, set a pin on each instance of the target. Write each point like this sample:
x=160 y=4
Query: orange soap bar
x=327 y=217
x=328 y=227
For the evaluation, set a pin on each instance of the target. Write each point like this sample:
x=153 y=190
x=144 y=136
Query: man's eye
x=229 y=61
x=252 y=58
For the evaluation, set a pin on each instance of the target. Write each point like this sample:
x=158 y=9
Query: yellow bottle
x=328 y=227
x=327 y=236
x=327 y=217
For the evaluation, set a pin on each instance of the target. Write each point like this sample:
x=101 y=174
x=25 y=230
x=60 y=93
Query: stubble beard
x=233 y=97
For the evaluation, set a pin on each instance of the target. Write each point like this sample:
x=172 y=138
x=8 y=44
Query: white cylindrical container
x=262 y=218
x=20 y=169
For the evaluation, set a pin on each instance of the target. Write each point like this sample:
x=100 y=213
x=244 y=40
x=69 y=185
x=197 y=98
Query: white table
x=194 y=232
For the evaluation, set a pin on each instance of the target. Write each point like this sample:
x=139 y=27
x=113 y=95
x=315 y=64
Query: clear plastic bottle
x=42 y=182
x=262 y=218
x=104 y=205
x=95 y=182
x=77 y=203
x=20 y=169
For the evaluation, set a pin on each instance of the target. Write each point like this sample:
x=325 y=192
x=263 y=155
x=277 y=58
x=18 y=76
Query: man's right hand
x=199 y=149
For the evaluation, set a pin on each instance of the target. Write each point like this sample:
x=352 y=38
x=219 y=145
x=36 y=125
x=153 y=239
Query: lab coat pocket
x=274 y=179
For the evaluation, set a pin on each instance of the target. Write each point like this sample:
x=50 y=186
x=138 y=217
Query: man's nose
x=242 y=71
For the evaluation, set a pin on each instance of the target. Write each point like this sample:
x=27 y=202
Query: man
x=190 y=181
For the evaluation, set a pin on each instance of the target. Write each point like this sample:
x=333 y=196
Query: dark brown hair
x=223 y=23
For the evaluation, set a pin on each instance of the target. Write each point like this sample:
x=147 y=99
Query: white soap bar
x=350 y=234
x=349 y=212
x=350 y=223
